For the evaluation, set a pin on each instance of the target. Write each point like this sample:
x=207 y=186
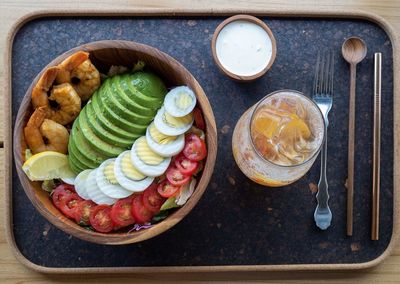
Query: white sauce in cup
x=243 y=48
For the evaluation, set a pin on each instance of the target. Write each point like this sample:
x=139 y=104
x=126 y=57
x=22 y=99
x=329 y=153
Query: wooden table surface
x=11 y=271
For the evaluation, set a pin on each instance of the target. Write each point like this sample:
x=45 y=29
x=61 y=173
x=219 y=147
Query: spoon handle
x=350 y=161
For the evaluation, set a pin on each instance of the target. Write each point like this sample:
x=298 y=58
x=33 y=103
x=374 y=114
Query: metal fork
x=322 y=96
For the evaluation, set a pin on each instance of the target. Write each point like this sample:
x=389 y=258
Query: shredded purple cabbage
x=138 y=227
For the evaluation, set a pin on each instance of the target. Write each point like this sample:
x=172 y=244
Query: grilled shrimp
x=63 y=105
x=79 y=71
x=43 y=134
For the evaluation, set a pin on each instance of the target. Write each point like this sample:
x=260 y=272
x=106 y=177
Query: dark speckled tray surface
x=237 y=222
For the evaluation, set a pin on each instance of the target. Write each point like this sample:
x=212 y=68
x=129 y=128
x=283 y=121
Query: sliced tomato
x=100 y=218
x=60 y=192
x=166 y=189
x=121 y=212
x=139 y=212
x=82 y=212
x=176 y=177
x=195 y=148
x=198 y=118
x=152 y=200
x=69 y=203
x=185 y=166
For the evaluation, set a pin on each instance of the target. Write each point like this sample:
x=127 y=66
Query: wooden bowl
x=104 y=54
x=247 y=18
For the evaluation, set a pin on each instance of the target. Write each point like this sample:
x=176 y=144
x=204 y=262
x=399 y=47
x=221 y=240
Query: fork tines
x=323 y=77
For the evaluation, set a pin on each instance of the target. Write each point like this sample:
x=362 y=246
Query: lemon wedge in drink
x=47 y=165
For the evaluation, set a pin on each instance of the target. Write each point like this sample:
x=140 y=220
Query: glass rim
x=256 y=106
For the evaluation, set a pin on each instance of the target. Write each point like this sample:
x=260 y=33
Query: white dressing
x=243 y=48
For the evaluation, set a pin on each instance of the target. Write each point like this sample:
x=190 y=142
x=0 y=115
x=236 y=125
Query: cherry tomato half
x=121 y=212
x=60 y=192
x=152 y=200
x=165 y=189
x=185 y=166
x=195 y=148
x=139 y=212
x=82 y=212
x=198 y=118
x=176 y=177
x=100 y=218
x=69 y=203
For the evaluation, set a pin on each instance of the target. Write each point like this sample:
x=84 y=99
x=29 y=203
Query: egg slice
x=94 y=192
x=171 y=125
x=180 y=101
x=107 y=182
x=80 y=184
x=146 y=160
x=164 y=145
x=128 y=176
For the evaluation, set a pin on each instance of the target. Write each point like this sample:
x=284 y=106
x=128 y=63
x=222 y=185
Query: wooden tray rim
x=162 y=12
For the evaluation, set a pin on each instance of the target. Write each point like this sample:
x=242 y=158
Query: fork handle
x=323 y=195
x=350 y=159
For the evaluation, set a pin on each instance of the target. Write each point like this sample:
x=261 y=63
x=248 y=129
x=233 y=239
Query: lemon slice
x=47 y=165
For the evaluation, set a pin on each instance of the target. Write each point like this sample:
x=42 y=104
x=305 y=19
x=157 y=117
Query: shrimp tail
x=69 y=64
x=33 y=137
x=39 y=92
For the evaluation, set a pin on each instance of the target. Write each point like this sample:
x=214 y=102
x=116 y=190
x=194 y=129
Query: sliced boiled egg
x=80 y=184
x=180 y=101
x=164 y=145
x=128 y=176
x=146 y=160
x=171 y=125
x=94 y=192
x=107 y=182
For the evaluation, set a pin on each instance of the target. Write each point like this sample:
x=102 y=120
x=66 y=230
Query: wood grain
x=11 y=271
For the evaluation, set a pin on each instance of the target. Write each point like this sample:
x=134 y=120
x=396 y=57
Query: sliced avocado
x=149 y=84
x=94 y=141
x=75 y=167
x=89 y=164
x=125 y=99
x=115 y=119
x=78 y=163
x=104 y=121
x=84 y=148
x=109 y=97
x=132 y=92
x=102 y=133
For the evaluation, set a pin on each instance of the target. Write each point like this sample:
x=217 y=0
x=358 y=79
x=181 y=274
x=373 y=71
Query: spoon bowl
x=354 y=50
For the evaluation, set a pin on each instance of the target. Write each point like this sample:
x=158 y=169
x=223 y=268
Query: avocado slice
x=102 y=133
x=84 y=148
x=143 y=100
x=149 y=84
x=115 y=119
x=89 y=164
x=103 y=121
x=110 y=97
x=94 y=141
x=124 y=98
x=78 y=163
x=75 y=166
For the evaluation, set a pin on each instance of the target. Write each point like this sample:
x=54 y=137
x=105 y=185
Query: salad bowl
x=103 y=55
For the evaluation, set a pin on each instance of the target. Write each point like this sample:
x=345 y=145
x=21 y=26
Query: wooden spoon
x=353 y=51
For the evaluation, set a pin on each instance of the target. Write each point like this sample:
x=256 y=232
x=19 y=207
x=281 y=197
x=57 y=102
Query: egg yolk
x=183 y=100
x=109 y=173
x=146 y=154
x=177 y=121
x=159 y=137
x=129 y=170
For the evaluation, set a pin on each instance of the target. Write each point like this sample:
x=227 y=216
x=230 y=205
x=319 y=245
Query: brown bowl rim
x=69 y=226
x=251 y=19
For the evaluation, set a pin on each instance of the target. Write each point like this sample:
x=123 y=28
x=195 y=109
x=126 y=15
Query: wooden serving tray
x=237 y=225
